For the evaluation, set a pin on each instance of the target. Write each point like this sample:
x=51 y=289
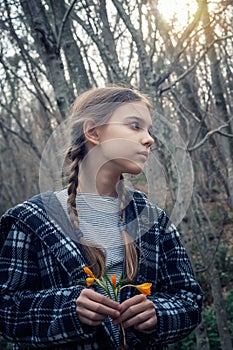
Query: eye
x=135 y=125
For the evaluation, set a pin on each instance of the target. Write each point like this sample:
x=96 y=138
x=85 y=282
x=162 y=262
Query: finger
x=149 y=324
x=137 y=315
x=143 y=320
x=90 y=321
x=88 y=313
x=134 y=307
x=97 y=297
x=131 y=317
x=93 y=304
x=137 y=299
x=92 y=309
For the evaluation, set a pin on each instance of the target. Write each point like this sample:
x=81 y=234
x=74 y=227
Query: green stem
x=127 y=285
x=104 y=286
x=122 y=338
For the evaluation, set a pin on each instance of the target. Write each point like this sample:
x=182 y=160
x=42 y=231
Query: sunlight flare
x=177 y=12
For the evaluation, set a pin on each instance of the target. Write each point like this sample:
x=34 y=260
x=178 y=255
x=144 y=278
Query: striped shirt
x=99 y=223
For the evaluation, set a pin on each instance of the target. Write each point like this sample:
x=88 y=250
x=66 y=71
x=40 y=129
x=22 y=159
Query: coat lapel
x=44 y=215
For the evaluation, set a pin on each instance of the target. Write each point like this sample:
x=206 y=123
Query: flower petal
x=88 y=271
x=89 y=281
x=144 y=288
x=114 y=280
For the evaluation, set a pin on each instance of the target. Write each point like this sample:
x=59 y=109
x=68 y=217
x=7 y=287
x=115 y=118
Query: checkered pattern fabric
x=40 y=262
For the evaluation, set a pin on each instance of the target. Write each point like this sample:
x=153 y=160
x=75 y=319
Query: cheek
x=118 y=148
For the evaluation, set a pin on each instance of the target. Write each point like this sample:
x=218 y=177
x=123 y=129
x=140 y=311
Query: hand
x=93 y=308
x=137 y=312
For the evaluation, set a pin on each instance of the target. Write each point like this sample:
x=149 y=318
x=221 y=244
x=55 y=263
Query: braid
x=131 y=255
x=95 y=255
x=72 y=191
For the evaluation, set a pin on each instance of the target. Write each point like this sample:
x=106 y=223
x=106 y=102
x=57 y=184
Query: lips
x=144 y=153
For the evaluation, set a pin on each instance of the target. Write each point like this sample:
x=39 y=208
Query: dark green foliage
x=4 y=345
x=212 y=331
x=229 y=309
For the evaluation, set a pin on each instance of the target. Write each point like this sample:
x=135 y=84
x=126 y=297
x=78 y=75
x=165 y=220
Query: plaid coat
x=40 y=262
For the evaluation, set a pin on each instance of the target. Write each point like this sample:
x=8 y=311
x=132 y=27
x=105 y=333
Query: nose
x=147 y=139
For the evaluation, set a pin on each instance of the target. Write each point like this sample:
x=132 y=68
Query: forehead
x=132 y=109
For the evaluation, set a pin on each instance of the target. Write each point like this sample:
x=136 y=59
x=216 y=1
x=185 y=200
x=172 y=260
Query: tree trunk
x=225 y=145
x=202 y=337
x=76 y=68
x=220 y=310
x=108 y=38
x=46 y=44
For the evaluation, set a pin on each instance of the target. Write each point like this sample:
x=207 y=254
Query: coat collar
x=44 y=215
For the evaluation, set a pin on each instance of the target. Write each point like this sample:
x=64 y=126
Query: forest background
x=181 y=55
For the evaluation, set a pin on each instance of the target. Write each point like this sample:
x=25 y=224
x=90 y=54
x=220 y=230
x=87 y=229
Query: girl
x=96 y=221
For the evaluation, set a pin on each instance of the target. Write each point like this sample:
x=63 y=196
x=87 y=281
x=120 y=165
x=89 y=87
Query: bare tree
x=52 y=51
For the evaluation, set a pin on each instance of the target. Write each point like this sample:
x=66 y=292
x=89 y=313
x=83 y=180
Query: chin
x=130 y=167
x=135 y=171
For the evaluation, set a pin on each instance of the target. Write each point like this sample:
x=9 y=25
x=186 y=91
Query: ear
x=91 y=131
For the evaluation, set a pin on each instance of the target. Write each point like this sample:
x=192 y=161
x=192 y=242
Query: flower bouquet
x=112 y=288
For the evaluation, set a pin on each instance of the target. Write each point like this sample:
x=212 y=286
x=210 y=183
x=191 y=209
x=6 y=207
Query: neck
x=104 y=182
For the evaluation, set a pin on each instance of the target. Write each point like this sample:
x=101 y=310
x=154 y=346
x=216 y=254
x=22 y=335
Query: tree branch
x=63 y=24
x=28 y=139
x=182 y=76
x=107 y=57
x=225 y=134
x=139 y=42
x=207 y=136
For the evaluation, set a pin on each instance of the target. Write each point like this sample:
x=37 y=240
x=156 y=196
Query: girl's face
x=126 y=139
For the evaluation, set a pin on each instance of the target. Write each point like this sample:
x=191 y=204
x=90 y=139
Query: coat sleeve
x=30 y=314
x=176 y=295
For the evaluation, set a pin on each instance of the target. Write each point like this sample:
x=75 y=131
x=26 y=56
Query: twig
x=63 y=24
x=225 y=134
x=210 y=133
x=183 y=75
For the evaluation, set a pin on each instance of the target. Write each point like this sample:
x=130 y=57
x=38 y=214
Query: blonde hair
x=98 y=104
